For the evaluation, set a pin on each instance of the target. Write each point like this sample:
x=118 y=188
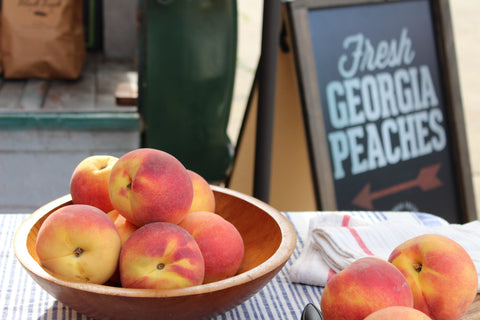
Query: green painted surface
x=187 y=57
x=71 y=120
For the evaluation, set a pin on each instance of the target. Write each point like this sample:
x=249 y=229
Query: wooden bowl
x=269 y=242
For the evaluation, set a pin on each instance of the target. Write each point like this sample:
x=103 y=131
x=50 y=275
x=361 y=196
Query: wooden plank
x=10 y=93
x=74 y=95
x=94 y=91
x=126 y=94
x=33 y=94
x=78 y=95
x=112 y=77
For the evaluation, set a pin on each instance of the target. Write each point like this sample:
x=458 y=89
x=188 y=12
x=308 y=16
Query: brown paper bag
x=42 y=39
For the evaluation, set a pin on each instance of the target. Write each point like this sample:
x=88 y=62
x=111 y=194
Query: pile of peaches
x=428 y=277
x=139 y=221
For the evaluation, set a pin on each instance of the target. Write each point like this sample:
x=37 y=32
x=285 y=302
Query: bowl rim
x=279 y=258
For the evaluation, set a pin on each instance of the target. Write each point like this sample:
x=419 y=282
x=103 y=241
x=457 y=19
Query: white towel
x=336 y=239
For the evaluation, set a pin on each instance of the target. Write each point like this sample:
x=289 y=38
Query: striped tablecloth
x=22 y=298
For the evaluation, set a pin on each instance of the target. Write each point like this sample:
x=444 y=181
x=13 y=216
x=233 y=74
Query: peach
x=125 y=228
x=365 y=286
x=220 y=242
x=441 y=274
x=80 y=243
x=398 y=312
x=89 y=182
x=148 y=185
x=203 y=197
x=161 y=255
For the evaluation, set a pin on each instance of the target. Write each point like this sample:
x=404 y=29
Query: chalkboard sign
x=382 y=106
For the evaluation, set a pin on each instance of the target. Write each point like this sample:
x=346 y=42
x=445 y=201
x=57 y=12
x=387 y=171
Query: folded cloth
x=336 y=239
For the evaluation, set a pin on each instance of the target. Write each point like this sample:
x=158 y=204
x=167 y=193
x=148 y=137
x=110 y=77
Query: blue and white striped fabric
x=22 y=298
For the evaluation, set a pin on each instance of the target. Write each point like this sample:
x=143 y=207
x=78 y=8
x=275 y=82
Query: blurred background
x=41 y=142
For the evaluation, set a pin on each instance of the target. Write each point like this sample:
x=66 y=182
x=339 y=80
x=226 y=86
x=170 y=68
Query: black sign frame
x=299 y=26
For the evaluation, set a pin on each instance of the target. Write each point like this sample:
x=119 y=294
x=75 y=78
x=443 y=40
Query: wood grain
x=93 y=91
x=126 y=94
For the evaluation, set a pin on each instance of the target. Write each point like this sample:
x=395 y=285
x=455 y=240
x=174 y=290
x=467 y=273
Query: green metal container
x=187 y=56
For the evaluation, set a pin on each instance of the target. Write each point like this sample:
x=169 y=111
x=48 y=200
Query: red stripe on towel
x=346 y=220
x=356 y=236
x=360 y=241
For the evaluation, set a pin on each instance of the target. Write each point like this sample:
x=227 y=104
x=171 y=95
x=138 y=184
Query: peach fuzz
x=161 y=255
x=203 y=197
x=220 y=242
x=398 y=313
x=148 y=185
x=79 y=243
x=441 y=274
x=89 y=182
x=125 y=228
x=365 y=286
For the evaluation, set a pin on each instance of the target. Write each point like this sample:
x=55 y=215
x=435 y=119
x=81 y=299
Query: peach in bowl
x=269 y=241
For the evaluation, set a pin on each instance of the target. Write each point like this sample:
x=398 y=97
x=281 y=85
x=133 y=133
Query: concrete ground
x=466 y=27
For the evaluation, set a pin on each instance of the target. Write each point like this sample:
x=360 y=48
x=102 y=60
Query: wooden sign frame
x=314 y=116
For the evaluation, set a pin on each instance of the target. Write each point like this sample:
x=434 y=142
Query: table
x=22 y=298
